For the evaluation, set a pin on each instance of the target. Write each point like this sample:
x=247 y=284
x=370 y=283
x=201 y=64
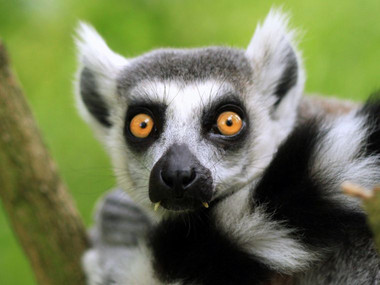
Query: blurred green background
x=341 y=47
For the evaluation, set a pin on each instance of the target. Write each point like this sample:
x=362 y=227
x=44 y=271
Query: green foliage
x=340 y=45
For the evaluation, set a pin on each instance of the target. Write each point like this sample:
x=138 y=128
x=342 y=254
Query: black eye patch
x=156 y=111
x=227 y=103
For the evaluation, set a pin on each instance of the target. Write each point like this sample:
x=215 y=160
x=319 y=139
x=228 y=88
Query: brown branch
x=39 y=208
x=370 y=198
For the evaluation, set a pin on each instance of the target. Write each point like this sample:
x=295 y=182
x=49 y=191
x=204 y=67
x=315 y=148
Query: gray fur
x=120 y=225
x=119 y=221
x=188 y=65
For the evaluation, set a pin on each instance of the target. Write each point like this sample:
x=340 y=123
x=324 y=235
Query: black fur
x=189 y=247
x=292 y=194
x=156 y=111
x=371 y=110
x=289 y=77
x=92 y=99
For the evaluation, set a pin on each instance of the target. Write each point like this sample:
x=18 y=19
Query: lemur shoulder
x=247 y=190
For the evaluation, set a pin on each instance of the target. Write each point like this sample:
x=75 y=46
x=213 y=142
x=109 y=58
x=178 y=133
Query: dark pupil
x=229 y=122
x=143 y=125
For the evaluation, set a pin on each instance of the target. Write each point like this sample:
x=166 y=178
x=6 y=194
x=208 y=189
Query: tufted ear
x=278 y=70
x=96 y=78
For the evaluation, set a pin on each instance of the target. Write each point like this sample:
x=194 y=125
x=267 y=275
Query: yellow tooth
x=156 y=206
x=205 y=204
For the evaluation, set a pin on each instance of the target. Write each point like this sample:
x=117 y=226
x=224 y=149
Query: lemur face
x=187 y=121
x=186 y=126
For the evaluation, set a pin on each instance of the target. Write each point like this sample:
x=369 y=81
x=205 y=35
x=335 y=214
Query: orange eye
x=141 y=125
x=229 y=123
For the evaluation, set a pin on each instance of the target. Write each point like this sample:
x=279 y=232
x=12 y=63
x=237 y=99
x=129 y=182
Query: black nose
x=179 y=181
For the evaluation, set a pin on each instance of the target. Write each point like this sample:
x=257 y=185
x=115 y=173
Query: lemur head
x=186 y=126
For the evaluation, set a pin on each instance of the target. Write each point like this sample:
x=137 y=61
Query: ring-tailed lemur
x=245 y=194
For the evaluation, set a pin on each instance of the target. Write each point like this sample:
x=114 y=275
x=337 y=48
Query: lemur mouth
x=181 y=206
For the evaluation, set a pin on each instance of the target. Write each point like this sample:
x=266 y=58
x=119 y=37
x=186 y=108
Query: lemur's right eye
x=141 y=125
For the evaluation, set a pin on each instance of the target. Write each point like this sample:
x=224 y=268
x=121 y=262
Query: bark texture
x=40 y=210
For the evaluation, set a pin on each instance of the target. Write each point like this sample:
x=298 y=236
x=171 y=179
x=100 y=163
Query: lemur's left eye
x=229 y=123
x=141 y=125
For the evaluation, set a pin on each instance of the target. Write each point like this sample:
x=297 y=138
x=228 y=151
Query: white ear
x=278 y=70
x=96 y=78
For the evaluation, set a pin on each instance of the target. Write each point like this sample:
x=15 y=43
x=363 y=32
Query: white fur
x=267 y=52
x=124 y=266
x=105 y=65
x=339 y=159
x=95 y=54
x=270 y=241
x=183 y=126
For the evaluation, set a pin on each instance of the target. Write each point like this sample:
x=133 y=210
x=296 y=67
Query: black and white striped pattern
x=293 y=220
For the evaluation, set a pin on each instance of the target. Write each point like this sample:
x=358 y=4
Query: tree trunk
x=39 y=208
